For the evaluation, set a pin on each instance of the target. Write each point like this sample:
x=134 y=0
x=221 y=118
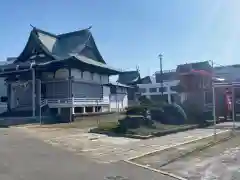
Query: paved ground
x=102 y=148
x=228 y=125
x=162 y=158
x=218 y=162
x=26 y=158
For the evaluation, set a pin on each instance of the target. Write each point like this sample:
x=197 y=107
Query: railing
x=75 y=101
x=90 y=100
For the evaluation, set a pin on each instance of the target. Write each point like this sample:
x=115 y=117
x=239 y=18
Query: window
x=162 y=89
x=142 y=90
x=153 y=90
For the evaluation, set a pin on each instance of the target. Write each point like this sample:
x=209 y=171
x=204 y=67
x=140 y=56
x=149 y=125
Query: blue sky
x=132 y=32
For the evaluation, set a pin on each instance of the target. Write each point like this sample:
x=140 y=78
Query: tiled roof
x=64 y=45
x=129 y=77
x=185 y=68
x=146 y=80
x=78 y=45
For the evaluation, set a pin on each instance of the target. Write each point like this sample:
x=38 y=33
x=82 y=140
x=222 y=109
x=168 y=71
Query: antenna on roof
x=32 y=26
x=137 y=67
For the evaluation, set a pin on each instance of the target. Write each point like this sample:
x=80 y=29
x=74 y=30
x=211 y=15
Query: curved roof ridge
x=74 y=32
x=61 y=34
x=44 y=32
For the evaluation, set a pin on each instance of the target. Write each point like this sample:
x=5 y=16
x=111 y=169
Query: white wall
x=96 y=78
x=106 y=93
x=105 y=109
x=166 y=84
x=118 y=101
x=62 y=74
x=105 y=79
x=77 y=74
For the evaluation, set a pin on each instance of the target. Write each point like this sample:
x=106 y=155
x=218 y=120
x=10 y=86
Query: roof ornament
x=90 y=27
x=137 y=68
x=32 y=26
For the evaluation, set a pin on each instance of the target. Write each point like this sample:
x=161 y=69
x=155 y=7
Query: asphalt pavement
x=26 y=158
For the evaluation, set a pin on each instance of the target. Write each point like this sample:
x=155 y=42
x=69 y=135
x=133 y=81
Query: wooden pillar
x=33 y=93
x=169 y=93
x=9 y=95
x=38 y=99
x=70 y=94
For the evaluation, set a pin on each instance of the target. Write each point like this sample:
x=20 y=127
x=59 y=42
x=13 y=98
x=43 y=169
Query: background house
x=131 y=79
x=151 y=87
x=118 y=96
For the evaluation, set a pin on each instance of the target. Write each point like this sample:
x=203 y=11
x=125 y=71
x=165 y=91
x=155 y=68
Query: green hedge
x=164 y=113
x=136 y=110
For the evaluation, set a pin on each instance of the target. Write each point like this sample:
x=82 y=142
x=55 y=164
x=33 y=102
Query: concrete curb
x=130 y=160
x=175 y=145
x=156 y=170
x=142 y=137
x=210 y=144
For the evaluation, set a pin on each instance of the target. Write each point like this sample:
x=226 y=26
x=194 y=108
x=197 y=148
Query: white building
x=118 y=96
x=152 y=88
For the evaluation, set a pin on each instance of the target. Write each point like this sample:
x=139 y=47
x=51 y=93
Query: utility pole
x=161 y=72
x=214 y=102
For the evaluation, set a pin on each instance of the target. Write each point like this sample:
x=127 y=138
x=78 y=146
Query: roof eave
x=33 y=36
x=110 y=70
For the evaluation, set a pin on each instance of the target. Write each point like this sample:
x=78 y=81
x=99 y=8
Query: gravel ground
x=102 y=148
x=219 y=162
x=162 y=158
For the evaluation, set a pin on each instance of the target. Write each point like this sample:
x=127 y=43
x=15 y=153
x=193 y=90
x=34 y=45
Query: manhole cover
x=116 y=178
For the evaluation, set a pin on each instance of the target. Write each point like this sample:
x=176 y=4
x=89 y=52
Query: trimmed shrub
x=136 y=110
x=195 y=114
x=157 y=114
x=107 y=126
x=144 y=100
x=174 y=114
x=132 y=122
